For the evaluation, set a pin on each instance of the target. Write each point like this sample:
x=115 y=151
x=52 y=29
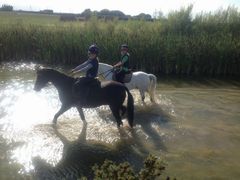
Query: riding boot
x=84 y=96
x=120 y=77
x=76 y=90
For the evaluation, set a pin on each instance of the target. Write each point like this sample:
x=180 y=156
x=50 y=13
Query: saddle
x=127 y=77
x=86 y=81
x=83 y=86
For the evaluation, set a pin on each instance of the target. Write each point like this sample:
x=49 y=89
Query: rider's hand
x=71 y=71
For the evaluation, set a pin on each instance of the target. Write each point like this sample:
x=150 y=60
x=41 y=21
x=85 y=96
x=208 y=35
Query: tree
x=143 y=16
x=6 y=7
x=87 y=13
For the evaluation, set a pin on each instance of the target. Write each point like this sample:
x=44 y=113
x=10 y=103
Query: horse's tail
x=130 y=108
x=152 y=87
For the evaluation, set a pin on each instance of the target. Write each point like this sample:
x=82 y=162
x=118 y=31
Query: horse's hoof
x=119 y=124
x=129 y=127
x=54 y=125
x=153 y=101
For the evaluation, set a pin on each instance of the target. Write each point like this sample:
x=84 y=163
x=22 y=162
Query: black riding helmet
x=124 y=46
x=93 y=49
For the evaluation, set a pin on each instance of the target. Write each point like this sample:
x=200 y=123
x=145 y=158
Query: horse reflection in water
x=151 y=122
x=109 y=93
x=80 y=155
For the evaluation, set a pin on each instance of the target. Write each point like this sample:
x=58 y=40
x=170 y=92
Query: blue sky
x=132 y=7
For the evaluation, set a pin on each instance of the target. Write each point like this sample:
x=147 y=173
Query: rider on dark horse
x=123 y=64
x=83 y=85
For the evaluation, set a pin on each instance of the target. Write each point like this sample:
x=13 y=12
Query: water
x=194 y=127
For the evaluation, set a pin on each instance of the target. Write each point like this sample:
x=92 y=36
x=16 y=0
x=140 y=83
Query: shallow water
x=194 y=127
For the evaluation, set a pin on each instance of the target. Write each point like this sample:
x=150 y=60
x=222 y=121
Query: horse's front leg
x=63 y=109
x=80 y=110
x=142 y=93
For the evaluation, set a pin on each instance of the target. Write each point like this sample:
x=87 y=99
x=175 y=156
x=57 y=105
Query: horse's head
x=42 y=79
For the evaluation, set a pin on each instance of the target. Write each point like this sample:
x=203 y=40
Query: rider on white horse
x=123 y=64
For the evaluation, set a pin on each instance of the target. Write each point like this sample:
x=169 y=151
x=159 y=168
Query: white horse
x=140 y=80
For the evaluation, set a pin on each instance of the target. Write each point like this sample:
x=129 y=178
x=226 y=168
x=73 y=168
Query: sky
x=129 y=7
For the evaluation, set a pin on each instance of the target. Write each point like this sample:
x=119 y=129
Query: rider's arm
x=118 y=64
x=125 y=58
x=82 y=67
x=121 y=62
x=85 y=68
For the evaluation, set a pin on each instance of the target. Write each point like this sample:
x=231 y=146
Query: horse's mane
x=55 y=73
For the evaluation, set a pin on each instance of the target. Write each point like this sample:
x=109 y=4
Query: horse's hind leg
x=151 y=93
x=116 y=114
x=142 y=93
x=123 y=109
x=152 y=99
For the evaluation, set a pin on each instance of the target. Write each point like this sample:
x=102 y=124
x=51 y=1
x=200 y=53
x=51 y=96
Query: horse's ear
x=37 y=67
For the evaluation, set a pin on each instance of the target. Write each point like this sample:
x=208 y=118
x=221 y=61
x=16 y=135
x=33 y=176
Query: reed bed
x=207 y=44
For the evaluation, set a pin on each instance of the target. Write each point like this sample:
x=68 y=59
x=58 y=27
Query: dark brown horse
x=108 y=93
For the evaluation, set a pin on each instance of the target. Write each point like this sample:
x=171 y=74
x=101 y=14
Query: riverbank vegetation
x=207 y=44
x=153 y=168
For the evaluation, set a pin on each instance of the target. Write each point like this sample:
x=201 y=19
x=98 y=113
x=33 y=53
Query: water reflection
x=195 y=128
x=80 y=155
x=26 y=118
x=150 y=123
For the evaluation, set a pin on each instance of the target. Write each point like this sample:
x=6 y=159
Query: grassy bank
x=206 y=45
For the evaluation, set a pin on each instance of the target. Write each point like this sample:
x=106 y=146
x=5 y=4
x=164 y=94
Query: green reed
x=208 y=44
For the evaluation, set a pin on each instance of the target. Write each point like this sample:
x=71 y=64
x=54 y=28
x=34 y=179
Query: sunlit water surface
x=194 y=128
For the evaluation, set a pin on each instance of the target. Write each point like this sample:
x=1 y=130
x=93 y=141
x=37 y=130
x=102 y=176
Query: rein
x=108 y=72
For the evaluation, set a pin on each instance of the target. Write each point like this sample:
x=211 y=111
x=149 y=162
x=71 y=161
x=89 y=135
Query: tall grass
x=208 y=44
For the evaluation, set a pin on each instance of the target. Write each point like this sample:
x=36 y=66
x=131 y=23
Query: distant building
x=68 y=17
x=47 y=11
x=81 y=18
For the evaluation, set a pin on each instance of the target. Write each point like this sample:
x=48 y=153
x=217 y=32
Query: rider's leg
x=120 y=76
x=76 y=88
x=86 y=85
